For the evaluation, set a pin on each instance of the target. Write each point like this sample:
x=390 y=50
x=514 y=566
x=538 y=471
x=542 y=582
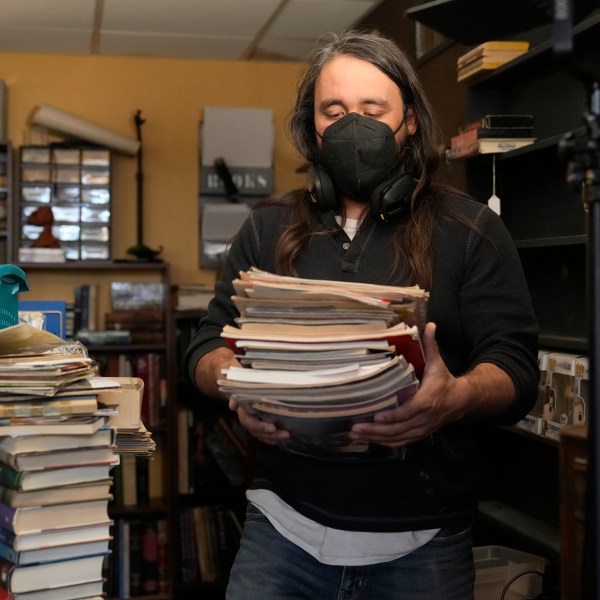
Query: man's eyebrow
x=376 y=101
x=365 y=102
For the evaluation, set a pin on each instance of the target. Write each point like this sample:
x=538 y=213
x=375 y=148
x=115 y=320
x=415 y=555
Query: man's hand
x=264 y=432
x=209 y=370
x=440 y=399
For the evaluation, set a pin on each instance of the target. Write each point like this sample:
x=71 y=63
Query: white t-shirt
x=336 y=546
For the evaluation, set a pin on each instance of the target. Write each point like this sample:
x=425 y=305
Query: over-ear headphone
x=389 y=200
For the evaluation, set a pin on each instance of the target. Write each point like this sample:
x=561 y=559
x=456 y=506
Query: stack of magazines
x=57 y=449
x=318 y=356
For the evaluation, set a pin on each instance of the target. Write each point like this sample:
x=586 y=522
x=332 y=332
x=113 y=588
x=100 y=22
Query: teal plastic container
x=12 y=281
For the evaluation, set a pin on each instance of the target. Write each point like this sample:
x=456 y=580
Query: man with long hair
x=397 y=527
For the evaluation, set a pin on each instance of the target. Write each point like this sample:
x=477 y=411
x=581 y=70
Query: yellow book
x=492 y=46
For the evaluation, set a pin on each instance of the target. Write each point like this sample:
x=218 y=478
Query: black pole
x=139 y=250
x=140 y=180
x=584 y=174
x=591 y=552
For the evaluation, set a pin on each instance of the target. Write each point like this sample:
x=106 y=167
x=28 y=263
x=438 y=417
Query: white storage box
x=495 y=566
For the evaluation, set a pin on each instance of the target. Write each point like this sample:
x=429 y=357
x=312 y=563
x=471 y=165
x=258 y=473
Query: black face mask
x=359 y=153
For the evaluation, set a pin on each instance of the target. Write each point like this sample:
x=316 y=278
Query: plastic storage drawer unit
x=499 y=570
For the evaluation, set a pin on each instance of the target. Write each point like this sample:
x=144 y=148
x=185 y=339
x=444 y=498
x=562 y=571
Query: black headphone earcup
x=392 y=199
x=322 y=191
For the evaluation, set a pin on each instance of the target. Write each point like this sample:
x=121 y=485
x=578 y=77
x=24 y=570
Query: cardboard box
x=559 y=401
x=581 y=390
x=534 y=421
x=128 y=397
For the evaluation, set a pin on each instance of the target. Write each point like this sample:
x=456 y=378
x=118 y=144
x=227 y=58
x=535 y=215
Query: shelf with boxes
x=547 y=219
x=65 y=203
x=545 y=215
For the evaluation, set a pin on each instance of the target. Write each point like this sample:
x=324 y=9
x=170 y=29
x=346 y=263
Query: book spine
x=149 y=558
x=163 y=556
x=123 y=566
x=464 y=151
x=8 y=553
x=5 y=595
x=7 y=517
x=142 y=370
x=507 y=121
x=184 y=417
x=44 y=409
x=135 y=558
x=129 y=479
x=142 y=481
x=7 y=537
x=203 y=543
x=187 y=537
x=471 y=136
x=154 y=378
x=493 y=146
x=491 y=46
x=82 y=307
x=6 y=571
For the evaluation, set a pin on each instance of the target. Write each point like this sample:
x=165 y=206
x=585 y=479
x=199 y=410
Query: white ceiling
x=197 y=29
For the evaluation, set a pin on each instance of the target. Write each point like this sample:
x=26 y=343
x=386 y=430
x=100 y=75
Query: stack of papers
x=318 y=356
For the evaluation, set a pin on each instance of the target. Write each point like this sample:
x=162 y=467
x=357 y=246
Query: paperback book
x=318 y=356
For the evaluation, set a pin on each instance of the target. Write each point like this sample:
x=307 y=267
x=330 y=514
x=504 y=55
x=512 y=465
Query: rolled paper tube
x=57 y=120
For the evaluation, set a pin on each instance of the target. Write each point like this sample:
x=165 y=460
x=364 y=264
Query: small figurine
x=43 y=217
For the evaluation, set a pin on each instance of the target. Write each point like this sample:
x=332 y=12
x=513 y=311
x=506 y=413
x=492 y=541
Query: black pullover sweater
x=480 y=303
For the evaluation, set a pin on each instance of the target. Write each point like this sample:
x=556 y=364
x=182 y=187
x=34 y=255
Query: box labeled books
x=562 y=386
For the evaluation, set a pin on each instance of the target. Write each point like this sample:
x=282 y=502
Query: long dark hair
x=421 y=153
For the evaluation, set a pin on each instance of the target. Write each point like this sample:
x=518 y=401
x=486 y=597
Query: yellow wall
x=171 y=95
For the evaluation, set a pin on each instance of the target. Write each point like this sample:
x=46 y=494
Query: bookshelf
x=209 y=476
x=519 y=504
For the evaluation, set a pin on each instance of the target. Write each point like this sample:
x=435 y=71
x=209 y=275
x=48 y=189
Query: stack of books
x=491 y=134
x=318 y=356
x=488 y=56
x=57 y=450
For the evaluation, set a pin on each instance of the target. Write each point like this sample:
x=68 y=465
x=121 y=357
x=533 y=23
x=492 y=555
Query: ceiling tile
x=311 y=18
x=173 y=46
x=202 y=29
x=296 y=49
x=47 y=41
x=63 y=14
x=234 y=18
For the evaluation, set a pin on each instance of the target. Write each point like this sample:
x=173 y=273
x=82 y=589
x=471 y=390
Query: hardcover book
x=91 y=590
x=31 y=519
x=27 y=578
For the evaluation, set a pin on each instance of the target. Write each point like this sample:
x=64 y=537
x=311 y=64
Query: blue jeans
x=269 y=567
